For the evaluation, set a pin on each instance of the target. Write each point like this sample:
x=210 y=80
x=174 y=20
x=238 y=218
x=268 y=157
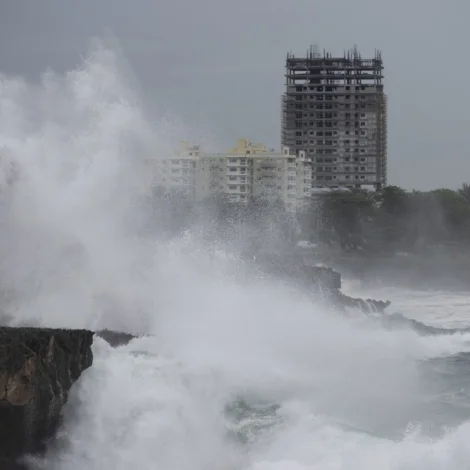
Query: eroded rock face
x=115 y=338
x=318 y=280
x=37 y=368
x=367 y=305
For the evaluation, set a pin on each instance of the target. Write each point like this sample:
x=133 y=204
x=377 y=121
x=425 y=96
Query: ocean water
x=234 y=373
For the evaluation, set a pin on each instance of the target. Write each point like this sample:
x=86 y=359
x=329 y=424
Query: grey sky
x=221 y=63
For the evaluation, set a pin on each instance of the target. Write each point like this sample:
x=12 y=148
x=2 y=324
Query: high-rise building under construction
x=335 y=109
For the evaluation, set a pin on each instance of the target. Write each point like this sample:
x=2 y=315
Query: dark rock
x=318 y=280
x=343 y=301
x=37 y=369
x=115 y=338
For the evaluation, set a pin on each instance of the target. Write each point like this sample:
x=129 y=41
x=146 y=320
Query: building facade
x=335 y=109
x=178 y=172
x=247 y=171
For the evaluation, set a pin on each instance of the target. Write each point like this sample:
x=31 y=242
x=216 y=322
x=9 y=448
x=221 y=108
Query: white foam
x=72 y=251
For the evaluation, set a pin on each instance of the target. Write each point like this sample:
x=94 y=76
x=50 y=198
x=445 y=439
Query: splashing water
x=235 y=375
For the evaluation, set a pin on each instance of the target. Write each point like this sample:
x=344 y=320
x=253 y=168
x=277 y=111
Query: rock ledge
x=37 y=369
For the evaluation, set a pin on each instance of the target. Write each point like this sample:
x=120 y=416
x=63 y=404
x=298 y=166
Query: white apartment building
x=177 y=172
x=247 y=171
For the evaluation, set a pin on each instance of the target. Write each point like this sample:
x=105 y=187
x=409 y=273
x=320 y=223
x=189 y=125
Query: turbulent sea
x=234 y=374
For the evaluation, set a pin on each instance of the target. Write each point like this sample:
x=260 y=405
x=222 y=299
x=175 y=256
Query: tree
x=392 y=216
x=385 y=221
x=465 y=191
x=344 y=217
x=389 y=220
x=455 y=210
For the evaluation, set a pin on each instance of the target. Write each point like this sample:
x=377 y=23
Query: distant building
x=335 y=109
x=247 y=171
x=178 y=172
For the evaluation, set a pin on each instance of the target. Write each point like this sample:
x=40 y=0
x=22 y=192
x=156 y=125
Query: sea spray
x=325 y=391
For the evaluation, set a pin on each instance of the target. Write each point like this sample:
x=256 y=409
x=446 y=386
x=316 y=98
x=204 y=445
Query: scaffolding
x=343 y=99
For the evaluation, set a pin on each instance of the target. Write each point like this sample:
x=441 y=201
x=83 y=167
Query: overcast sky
x=221 y=63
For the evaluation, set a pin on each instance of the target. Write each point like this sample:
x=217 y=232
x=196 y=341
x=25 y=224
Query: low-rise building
x=177 y=172
x=246 y=171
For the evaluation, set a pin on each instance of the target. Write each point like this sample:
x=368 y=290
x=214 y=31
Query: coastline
x=412 y=270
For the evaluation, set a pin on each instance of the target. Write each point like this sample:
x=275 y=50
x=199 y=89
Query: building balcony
x=267 y=168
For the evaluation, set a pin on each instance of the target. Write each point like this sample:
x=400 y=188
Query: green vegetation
x=389 y=220
x=376 y=223
x=255 y=223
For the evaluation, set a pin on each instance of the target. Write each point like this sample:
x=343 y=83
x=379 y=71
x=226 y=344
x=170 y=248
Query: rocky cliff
x=37 y=368
x=319 y=280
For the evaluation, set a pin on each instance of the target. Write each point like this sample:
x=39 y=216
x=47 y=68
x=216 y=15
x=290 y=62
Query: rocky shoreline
x=38 y=366
x=320 y=281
